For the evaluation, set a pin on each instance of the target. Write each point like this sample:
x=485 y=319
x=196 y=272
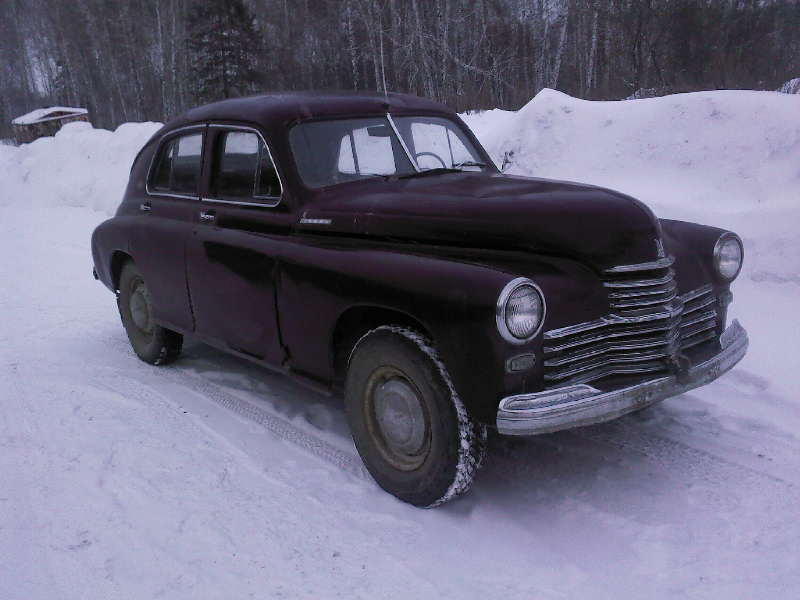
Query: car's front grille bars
x=632 y=288
x=645 y=335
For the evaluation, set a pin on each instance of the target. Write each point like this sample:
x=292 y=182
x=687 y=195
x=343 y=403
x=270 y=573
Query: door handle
x=145 y=206
x=208 y=215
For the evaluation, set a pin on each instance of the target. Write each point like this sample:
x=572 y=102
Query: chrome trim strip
x=636 y=293
x=701 y=304
x=694 y=342
x=705 y=289
x=644 y=301
x=402 y=142
x=579 y=405
x=709 y=314
x=661 y=263
x=182 y=196
x=240 y=202
x=636 y=283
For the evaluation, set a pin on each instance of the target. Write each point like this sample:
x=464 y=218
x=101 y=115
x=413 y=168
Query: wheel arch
x=356 y=321
x=118 y=260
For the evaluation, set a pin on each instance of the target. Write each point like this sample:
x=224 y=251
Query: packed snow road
x=212 y=478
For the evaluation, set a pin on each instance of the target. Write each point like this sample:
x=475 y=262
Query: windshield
x=342 y=150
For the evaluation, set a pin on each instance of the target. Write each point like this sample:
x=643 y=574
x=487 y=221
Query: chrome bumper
x=578 y=405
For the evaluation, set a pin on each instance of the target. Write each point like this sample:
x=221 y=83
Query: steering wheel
x=436 y=156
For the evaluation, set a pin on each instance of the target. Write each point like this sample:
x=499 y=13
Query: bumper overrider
x=578 y=405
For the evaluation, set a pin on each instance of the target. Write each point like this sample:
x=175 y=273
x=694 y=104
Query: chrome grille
x=635 y=287
x=648 y=327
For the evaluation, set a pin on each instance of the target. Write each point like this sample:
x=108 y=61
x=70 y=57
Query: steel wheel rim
x=140 y=308
x=397 y=419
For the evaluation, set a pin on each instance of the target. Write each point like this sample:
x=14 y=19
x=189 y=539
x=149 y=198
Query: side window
x=243 y=168
x=178 y=165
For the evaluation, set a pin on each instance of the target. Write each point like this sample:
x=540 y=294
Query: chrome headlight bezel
x=724 y=239
x=501 y=312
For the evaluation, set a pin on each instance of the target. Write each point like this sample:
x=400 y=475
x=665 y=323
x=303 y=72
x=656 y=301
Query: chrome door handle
x=145 y=207
x=207 y=215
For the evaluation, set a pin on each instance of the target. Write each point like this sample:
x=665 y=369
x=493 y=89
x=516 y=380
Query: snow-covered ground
x=214 y=479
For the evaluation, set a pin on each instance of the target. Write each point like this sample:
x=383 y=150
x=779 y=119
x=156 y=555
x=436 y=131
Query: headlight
x=520 y=311
x=728 y=255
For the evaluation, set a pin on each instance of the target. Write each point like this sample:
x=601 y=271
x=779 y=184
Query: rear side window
x=178 y=165
x=243 y=168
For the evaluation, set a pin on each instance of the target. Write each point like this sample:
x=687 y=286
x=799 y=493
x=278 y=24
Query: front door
x=168 y=206
x=232 y=265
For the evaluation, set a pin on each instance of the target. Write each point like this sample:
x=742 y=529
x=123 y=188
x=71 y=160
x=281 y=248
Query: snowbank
x=720 y=151
x=79 y=166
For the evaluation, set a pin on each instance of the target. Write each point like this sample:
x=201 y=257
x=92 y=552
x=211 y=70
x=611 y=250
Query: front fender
x=454 y=300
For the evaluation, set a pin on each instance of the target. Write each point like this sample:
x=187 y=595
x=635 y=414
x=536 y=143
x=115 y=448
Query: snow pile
x=721 y=151
x=79 y=166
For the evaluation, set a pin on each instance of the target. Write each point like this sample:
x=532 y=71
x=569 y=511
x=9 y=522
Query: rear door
x=170 y=205
x=241 y=226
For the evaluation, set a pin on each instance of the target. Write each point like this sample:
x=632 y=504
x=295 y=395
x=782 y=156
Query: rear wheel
x=151 y=342
x=411 y=429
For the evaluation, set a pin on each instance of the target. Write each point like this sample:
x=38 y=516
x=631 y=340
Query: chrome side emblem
x=308 y=221
x=660 y=249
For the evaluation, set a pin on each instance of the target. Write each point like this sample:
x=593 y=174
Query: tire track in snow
x=271 y=422
x=276 y=425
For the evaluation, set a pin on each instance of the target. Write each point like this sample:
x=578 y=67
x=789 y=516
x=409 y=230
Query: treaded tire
x=151 y=342
x=455 y=443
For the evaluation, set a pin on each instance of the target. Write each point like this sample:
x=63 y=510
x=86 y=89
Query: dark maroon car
x=368 y=246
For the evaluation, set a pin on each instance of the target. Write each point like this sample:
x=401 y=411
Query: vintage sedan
x=368 y=246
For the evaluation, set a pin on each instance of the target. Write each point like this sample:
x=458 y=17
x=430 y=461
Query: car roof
x=283 y=108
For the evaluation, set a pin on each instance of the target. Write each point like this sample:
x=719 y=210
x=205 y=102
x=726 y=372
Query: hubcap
x=139 y=305
x=400 y=422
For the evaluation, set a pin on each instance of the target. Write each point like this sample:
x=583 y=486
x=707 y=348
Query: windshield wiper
x=437 y=171
x=469 y=163
x=384 y=176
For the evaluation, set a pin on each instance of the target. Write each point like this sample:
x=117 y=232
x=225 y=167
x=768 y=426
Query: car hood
x=481 y=210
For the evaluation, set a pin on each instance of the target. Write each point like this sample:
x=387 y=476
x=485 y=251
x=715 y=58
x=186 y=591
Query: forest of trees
x=133 y=60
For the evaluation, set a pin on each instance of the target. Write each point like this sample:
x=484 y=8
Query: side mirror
x=507 y=161
x=381 y=131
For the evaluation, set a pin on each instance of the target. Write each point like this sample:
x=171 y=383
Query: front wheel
x=412 y=431
x=151 y=342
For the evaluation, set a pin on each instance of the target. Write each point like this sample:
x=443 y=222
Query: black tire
x=151 y=342
x=412 y=431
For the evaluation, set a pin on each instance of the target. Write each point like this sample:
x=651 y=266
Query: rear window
x=178 y=165
x=243 y=168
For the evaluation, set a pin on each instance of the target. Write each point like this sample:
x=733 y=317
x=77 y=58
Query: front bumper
x=578 y=405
